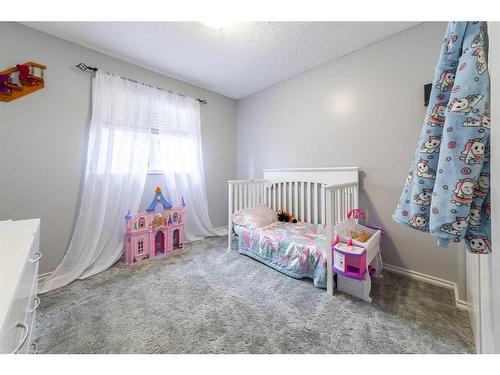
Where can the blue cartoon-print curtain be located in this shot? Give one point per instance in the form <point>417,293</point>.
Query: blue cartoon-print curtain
<point>447,189</point>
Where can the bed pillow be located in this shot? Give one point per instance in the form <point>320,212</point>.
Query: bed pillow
<point>255,217</point>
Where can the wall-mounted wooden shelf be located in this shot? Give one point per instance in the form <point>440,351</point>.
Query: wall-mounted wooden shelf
<point>34,82</point>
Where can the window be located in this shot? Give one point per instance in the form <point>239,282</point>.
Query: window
<point>142,222</point>
<point>119,150</point>
<point>171,134</point>
<point>140,246</point>
<point>169,152</point>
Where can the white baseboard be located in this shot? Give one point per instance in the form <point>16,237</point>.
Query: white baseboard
<point>44,276</point>
<point>460,304</point>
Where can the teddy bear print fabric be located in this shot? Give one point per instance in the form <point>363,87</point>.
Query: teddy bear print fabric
<point>447,188</point>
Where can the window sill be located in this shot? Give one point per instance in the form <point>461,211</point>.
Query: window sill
<point>155,172</point>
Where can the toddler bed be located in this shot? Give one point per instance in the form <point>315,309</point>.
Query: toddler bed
<point>297,250</point>
<point>318,197</point>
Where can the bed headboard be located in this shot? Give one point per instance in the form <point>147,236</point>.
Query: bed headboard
<point>301,191</point>
<point>329,176</point>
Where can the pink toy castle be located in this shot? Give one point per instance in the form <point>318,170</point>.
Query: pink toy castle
<point>155,232</point>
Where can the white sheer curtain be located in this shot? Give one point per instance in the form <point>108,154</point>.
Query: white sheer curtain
<point>178,154</point>
<point>132,126</point>
<point>117,164</point>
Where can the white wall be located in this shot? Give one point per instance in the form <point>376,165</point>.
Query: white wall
<point>364,109</point>
<point>43,136</point>
<point>483,271</point>
<point>494,282</point>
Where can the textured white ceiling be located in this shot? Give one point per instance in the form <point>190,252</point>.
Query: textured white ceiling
<point>236,61</point>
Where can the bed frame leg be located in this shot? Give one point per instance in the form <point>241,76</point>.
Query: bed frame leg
<point>230,216</point>
<point>330,286</point>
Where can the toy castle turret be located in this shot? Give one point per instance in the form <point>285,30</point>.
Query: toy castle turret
<point>155,232</point>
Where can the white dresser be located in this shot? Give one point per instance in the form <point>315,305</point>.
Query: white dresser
<point>19,258</point>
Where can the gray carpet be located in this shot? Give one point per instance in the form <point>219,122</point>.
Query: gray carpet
<point>207,300</point>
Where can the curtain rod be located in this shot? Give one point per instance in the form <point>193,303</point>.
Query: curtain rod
<point>86,68</point>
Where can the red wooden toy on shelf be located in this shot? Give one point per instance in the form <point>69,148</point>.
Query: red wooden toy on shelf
<point>21,80</point>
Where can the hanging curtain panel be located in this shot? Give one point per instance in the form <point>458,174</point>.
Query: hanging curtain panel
<point>131,122</point>
<point>178,154</point>
<point>117,164</point>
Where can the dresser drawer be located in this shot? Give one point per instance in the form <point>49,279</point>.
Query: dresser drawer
<point>31,316</point>
<point>26,347</point>
<point>32,347</point>
<point>14,333</point>
<point>20,321</point>
<point>16,329</point>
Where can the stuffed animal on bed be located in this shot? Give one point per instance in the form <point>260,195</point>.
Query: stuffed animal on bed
<point>285,217</point>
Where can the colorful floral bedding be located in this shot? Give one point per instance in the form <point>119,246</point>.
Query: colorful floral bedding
<point>296,250</point>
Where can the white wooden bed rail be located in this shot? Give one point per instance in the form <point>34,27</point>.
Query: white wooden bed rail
<point>313,195</point>
<point>243,194</point>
